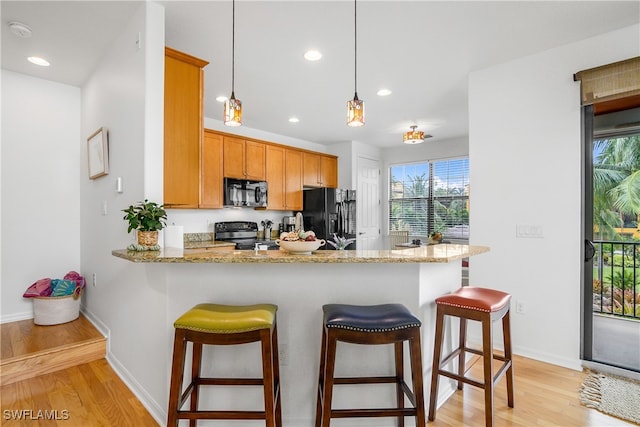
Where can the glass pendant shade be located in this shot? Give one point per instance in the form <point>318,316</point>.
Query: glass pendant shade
<point>413,136</point>
<point>233,111</point>
<point>355,112</point>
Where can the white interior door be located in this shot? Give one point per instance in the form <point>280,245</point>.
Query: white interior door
<point>368,204</point>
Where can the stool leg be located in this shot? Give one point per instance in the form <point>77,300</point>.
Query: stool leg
<point>195,377</point>
<point>177,369</point>
<point>328,379</point>
<point>462,345</point>
<point>437,350</point>
<point>267,377</point>
<point>320,391</point>
<point>415,349</point>
<point>276,375</point>
<point>399,378</point>
<point>506,332</point>
<point>487,351</point>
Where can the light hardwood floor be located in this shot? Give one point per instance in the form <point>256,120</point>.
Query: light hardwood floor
<point>91,394</point>
<point>544,395</point>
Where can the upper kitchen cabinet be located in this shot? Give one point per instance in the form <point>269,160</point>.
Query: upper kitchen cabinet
<point>212,193</point>
<point>244,159</point>
<point>183,128</point>
<point>320,170</point>
<point>284,177</point>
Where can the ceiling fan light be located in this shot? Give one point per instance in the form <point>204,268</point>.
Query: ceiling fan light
<point>355,112</point>
<point>413,136</point>
<point>233,111</point>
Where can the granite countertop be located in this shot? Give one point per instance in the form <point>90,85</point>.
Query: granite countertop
<point>424,254</point>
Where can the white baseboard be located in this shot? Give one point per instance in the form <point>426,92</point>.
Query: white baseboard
<point>15,317</point>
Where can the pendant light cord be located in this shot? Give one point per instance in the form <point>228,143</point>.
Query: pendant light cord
<point>355,46</point>
<point>233,48</point>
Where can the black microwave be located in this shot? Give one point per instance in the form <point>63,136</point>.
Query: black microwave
<point>245,193</point>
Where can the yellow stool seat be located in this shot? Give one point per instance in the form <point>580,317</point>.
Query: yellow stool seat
<point>227,319</point>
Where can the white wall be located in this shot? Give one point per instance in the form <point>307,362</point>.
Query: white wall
<point>123,95</point>
<point>525,148</point>
<point>40,186</point>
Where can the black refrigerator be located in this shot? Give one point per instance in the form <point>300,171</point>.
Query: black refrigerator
<point>327,211</point>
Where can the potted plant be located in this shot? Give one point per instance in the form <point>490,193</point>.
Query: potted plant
<point>147,218</point>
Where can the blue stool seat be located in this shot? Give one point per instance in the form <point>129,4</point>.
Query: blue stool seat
<point>369,318</point>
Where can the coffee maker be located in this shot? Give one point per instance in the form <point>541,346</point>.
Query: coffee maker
<point>289,223</point>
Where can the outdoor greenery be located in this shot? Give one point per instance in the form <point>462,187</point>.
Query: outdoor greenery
<point>616,211</point>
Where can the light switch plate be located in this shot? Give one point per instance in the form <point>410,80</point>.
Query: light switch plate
<point>529,231</point>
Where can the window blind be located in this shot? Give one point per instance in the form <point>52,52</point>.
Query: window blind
<point>427,197</point>
<point>608,82</point>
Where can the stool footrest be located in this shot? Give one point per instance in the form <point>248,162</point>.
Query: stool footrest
<point>231,381</point>
<point>370,413</point>
<point>366,380</point>
<point>221,415</point>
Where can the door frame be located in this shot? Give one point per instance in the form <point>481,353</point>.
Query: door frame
<point>586,274</point>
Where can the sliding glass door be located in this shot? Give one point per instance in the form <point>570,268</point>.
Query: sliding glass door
<point>611,215</point>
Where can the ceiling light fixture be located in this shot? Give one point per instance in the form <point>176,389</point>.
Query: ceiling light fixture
<point>294,119</point>
<point>414,136</point>
<point>233,106</point>
<point>312,55</point>
<point>383,92</point>
<point>221,98</point>
<point>38,61</point>
<point>355,107</point>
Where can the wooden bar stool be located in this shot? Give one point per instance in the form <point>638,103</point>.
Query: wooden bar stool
<point>485,306</point>
<point>377,324</point>
<point>215,324</point>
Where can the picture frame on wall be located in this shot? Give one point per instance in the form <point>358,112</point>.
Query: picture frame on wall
<point>98,153</point>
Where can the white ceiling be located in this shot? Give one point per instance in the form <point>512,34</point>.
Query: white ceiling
<point>423,51</point>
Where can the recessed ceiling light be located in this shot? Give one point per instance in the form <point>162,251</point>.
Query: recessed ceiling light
<point>38,61</point>
<point>294,119</point>
<point>384,92</point>
<point>221,98</point>
<point>312,55</point>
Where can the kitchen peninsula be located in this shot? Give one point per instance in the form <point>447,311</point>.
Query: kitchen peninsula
<point>300,285</point>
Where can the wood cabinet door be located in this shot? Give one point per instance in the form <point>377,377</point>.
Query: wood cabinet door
<point>212,193</point>
<point>311,169</point>
<point>182,129</point>
<point>233,157</point>
<point>329,171</point>
<point>255,154</point>
<point>293,180</point>
<point>275,170</point>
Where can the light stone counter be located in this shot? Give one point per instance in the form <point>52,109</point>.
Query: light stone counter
<point>428,254</point>
<point>299,285</point>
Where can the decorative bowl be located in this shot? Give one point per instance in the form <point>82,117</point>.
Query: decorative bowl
<point>300,247</point>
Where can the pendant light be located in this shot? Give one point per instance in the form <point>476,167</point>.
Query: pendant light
<point>233,106</point>
<point>355,107</point>
<point>414,136</point>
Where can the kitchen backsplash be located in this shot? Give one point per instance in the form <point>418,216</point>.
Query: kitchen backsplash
<point>202,221</point>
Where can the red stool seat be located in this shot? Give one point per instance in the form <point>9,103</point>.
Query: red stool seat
<point>483,305</point>
<point>473,298</point>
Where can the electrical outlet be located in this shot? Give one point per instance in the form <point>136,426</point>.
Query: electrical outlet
<point>520,307</point>
<point>95,280</point>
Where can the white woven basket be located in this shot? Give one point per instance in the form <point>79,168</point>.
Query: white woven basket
<point>56,310</point>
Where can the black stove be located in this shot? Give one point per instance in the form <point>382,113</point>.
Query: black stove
<point>243,233</point>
